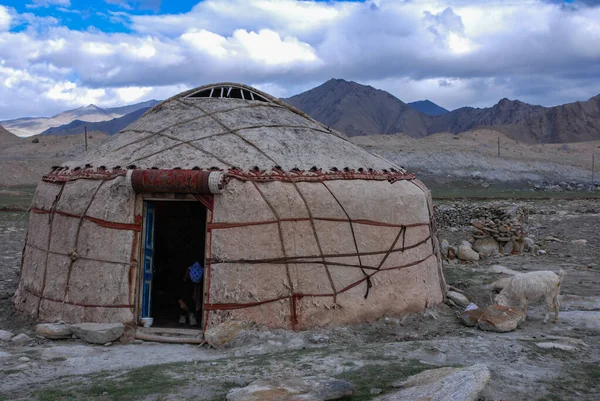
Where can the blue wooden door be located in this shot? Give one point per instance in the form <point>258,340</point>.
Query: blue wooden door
<point>148,260</point>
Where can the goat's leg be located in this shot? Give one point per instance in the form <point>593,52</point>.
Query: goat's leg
<point>524,307</point>
<point>549,306</point>
<point>556,303</point>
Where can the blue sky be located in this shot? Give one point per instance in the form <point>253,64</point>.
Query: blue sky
<point>61,54</point>
<point>100,14</point>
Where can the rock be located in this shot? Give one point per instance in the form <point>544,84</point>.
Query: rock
<point>443,384</point>
<point>21,339</point>
<point>551,238</point>
<point>458,298</point>
<point>551,345</point>
<point>23,359</point>
<point>453,229</point>
<point>486,247</point>
<point>467,254</point>
<point>508,247</point>
<point>224,333</point>
<point>582,319</point>
<point>138,342</point>
<point>501,270</point>
<point>541,252</point>
<point>5,335</point>
<point>466,244</point>
<point>318,338</point>
<point>500,318</point>
<point>471,317</point>
<point>580,303</point>
<point>309,388</point>
<point>98,333</point>
<point>579,242</point>
<point>444,246</point>
<point>375,391</point>
<point>53,331</point>
<point>529,244</point>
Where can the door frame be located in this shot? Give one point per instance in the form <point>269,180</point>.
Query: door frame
<point>141,205</point>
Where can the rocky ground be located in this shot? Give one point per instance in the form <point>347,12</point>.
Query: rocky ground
<point>536,362</point>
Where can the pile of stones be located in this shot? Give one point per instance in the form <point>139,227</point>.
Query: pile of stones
<point>503,231</point>
<point>498,231</point>
<point>457,214</point>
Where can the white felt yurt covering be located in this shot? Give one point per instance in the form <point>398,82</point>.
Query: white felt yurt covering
<point>309,230</point>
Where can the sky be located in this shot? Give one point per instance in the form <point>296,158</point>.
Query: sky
<point>61,54</point>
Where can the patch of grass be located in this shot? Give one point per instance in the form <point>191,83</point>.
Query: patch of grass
<point>55,394</point>
<point>380,376</point>
<point>131,385</point>
<point>16,196</point>
<point>12,371</point>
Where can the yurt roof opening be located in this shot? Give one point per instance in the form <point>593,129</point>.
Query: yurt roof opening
<point>295,226</point>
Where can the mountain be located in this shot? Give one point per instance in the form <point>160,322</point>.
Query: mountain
<point>356,109</point>
<point>428,107</point>
<point>7,138</point>
<point>572,122</point>
<point>29,126</point>
<point>110,127</point>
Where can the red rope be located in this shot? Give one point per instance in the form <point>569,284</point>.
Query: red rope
<point>103,223</point>
<point>76,303</point>
<point>220,226</point>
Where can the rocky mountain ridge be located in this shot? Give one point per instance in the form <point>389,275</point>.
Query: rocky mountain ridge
<point>356,109</point>
<point>109,127</point>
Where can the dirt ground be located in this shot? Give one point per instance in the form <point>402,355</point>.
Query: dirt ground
<point>371,356</point>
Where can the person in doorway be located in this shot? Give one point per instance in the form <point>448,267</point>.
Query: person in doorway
<point>189,295</point>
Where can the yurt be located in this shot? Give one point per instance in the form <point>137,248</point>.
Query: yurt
<point>295,227</point>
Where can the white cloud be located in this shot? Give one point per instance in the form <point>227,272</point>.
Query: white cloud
<point>5,19</point>
<point>132,94</point>
<point>48,3</point>
<point>265,46</point>
<point>451,51</point>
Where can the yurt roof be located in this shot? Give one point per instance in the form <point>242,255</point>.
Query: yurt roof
<point>228,126</point>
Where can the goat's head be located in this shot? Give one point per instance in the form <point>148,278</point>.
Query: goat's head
<point>502,299</point>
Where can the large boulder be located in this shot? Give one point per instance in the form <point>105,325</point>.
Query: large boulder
<point>443,384</point>
<point>21,339</point>
<point>589,320</point>
<point>310,388</point>
<point>500,318</point>
<point>53,331</point>
<point>486,247</point>
<point>6,335</point>
<point>458,298</point>
<point>467,254</point>
<point>224,333</point>
<point>98,333</point>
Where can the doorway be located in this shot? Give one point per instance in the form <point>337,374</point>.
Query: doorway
<point>175,239</point>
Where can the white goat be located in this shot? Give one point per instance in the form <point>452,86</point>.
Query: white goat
<point>532,286</point>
